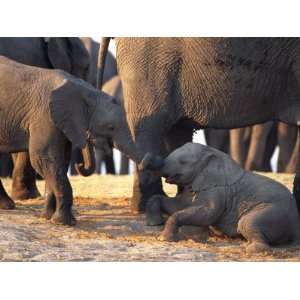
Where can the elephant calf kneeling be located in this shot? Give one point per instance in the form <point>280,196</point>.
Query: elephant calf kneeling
<point>220,194</point>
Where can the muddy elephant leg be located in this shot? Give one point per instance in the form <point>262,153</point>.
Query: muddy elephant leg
<point>194,215</point>
<point>267,225</point>
<point>159,204</point>
<point>5,201</point>
<point>24,183</point>
<point>238,146</point>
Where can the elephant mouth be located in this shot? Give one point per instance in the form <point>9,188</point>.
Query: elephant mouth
<point>173,179</point>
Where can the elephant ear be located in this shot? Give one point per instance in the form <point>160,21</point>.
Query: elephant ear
<point>69,113</point>
<point>58,53</point>
<point>216,169</point>
<point>211,173</point>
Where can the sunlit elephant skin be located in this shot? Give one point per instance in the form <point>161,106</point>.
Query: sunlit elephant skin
<point>193,83</point>
<point>38,117</point>
<point>68,54</point>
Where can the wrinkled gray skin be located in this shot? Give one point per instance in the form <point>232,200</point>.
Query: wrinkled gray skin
<point>176,85</point>
<point>68,54</point>
<point>104,153</point>
<point>46,112</point>
<point>219,193</point>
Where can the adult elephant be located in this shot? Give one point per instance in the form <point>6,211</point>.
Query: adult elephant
<point>66,53</point>
<point>176,85</point>
<point>110,71</point>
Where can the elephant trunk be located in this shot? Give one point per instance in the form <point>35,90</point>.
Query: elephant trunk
<point>151,162</point>
<point>87,167</point>
<point>101,61</point>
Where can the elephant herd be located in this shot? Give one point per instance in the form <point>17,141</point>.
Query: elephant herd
<point>65,101</point>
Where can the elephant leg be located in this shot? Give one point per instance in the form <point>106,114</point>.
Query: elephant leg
<point>110,164</point>
<point>287,142</point>
<point>238,145</point>
<point>296,184</point>
<point>159,204</point>
<point>292,165</point>
<point>99,156</point>
<point>176,138</point>
<point>124,170</point>
<point>50,205</point>
<point>217,138</point>
<point>258,143</point>
<point>270,148</point>
<point>5,201</point>
<point>24,183</point>
<point>146,184</point>
<point>6,165</point>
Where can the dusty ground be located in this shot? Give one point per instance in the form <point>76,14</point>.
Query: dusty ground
<point>106,231</point>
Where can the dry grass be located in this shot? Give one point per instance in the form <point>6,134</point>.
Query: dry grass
<point>107,231</point>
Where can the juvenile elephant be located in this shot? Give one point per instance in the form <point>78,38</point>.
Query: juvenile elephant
<point>177,85</point>
<point>219,193</point>
<point>65,53</point>
<point>46,112</point>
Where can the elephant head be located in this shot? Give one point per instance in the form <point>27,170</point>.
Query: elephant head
<point>68,54</point>
<point>193,164</point>
<point>76,108</point>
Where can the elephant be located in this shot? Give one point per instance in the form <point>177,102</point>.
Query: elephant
<point>38,117</point>
<point>221,194</point>
<point>174,85</point>
<point>68,54</point>
<point>113,87</point>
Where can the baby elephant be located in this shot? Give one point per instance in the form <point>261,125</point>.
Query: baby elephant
<point>45,112</point>
<point>220,194</point>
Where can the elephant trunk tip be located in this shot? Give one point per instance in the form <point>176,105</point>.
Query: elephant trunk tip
<point>151,162</point>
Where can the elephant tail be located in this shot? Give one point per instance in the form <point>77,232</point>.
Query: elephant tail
<point>101,60</point>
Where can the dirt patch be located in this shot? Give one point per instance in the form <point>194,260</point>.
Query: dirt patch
<point>107,231</point>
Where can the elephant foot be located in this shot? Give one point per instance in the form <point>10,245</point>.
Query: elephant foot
<point>167,236</point>
<point>257,247</point>
<point>63,218</point>
<point>47,213</point>
<point>6,203</point>
<point>154,220</point>
<point>153,212</point>
<point>25,193</point>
